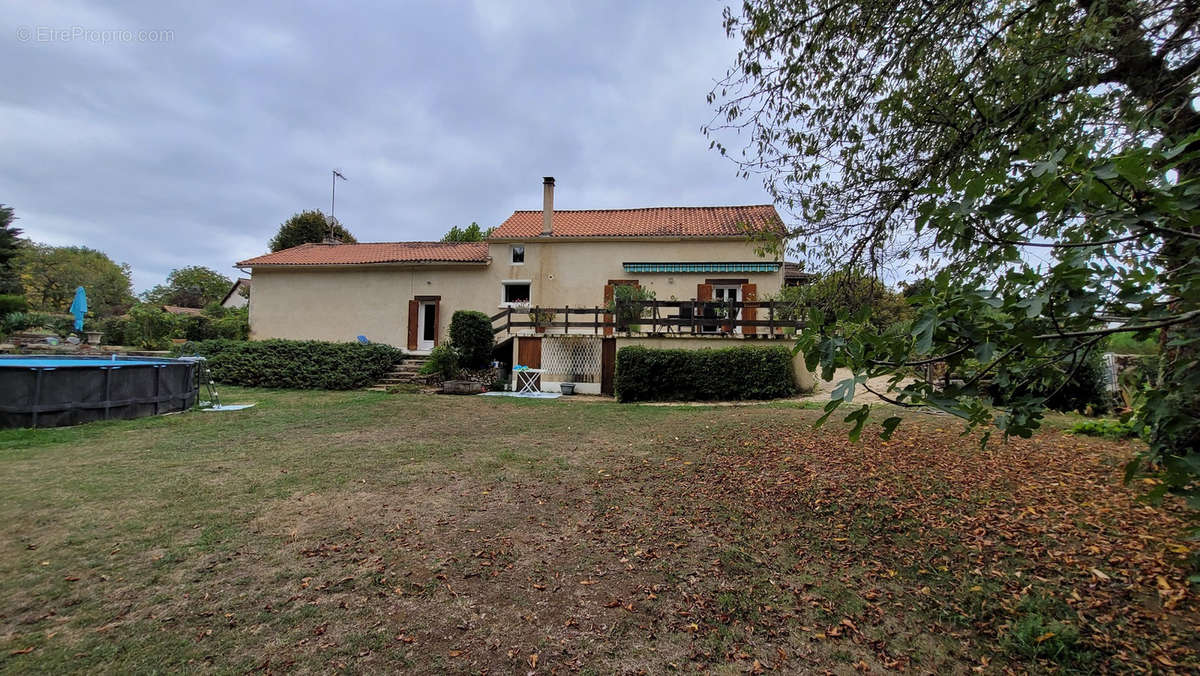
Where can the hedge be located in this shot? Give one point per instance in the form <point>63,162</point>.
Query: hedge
<point>646,374</point>
<point>295,364</point>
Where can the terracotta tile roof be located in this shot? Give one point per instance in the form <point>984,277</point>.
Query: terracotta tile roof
<point>180,310</point>
<point>651,222</point>
<point>377,252</point>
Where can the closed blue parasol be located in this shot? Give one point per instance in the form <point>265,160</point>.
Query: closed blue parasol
<point>79,307</point>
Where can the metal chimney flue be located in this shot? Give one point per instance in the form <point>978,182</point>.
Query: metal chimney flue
<point>547,206</point>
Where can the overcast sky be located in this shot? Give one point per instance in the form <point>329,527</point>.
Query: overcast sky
<point>191,145</point>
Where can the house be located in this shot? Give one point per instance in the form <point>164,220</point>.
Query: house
<point>180,310</point>
<point>238,295</point>
<point>404,293</point>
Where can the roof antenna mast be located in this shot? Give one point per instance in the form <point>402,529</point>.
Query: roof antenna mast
<point>332,202</point>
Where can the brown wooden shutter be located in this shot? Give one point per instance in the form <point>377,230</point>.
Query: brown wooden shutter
<point>704,292</point>
<point>608,298</point>
<point>414,313</point>
<point>749,312</point>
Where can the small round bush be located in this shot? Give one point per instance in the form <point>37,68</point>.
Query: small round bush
<point>471,334</point>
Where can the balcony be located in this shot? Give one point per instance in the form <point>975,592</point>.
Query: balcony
<point>766,319</point>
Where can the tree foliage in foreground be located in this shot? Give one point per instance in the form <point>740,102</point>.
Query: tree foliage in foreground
<point>1037,160</point>
<point>194,286</point>
<point>307,227</point>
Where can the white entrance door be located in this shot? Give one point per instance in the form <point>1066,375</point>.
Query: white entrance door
<point>426,325</point>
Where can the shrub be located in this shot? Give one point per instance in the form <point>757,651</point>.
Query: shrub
<point>11,302</point>
<point>1086,387</point>
<point>471,334</point>
<point>234,325</point>
<point>13,322</point>
<point>443,361</point>
<point>1108,429</point>
<point>20,321</point>
<point>151,327</point>
<point>1064,390</point>
<point>296,364</point>
<point>1124,343</point>
<point>196,327</point>
<point>646,374</point>
<point>116,331</point>
<point>61,326</point>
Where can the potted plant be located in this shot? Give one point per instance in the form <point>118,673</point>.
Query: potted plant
<point>541,317</point>
<point>625,308</point>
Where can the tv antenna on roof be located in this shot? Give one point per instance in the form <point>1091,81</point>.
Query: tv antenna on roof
<point>332,202</point>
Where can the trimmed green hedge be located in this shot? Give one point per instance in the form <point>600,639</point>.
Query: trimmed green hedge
<point>647,374</point>
<point>471,334</point>
<point>295,364</point>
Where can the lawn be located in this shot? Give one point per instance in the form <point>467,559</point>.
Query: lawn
<point>370,532</point>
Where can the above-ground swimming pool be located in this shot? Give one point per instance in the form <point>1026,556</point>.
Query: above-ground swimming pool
<point>53,391</point>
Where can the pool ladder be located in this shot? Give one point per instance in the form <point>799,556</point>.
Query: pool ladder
<point>206,381</point>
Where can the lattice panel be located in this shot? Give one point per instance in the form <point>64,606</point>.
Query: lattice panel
<point>571,359</point>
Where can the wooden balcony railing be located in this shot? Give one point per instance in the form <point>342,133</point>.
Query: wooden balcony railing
<point>770,318</point>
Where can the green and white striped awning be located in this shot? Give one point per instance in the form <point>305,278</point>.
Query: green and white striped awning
<point>750,266</point>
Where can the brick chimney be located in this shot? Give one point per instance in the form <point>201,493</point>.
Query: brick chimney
<point>547,206</point>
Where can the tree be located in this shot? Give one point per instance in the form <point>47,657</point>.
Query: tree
<point>1039,160</point>
<point>50,274</point>
<point>10,243</point>
<point>194,286</point>
<point>855,293</point>
<point>307,227</point>
<point>471,233</point>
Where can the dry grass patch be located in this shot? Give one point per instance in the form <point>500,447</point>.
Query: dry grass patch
<point>364,532</point>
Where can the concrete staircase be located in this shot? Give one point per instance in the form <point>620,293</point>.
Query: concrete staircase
<point>407,371</point>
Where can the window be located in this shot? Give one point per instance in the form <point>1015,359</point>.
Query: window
<point>515,292</point>
<point>518,254</point>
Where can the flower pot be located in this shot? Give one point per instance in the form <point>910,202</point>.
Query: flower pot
<point>93,337</point>
<point>567,388</point>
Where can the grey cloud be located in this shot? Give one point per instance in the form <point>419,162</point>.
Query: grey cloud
<point>192,151</point>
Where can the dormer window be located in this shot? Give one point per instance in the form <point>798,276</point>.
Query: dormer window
<point>518,254</point>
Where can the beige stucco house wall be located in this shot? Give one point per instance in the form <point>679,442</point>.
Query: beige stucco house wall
<point>341,303</point>
<point>570,272</point>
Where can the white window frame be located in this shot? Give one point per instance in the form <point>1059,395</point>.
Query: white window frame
<point>512,250</point>
<point>513,282</point>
